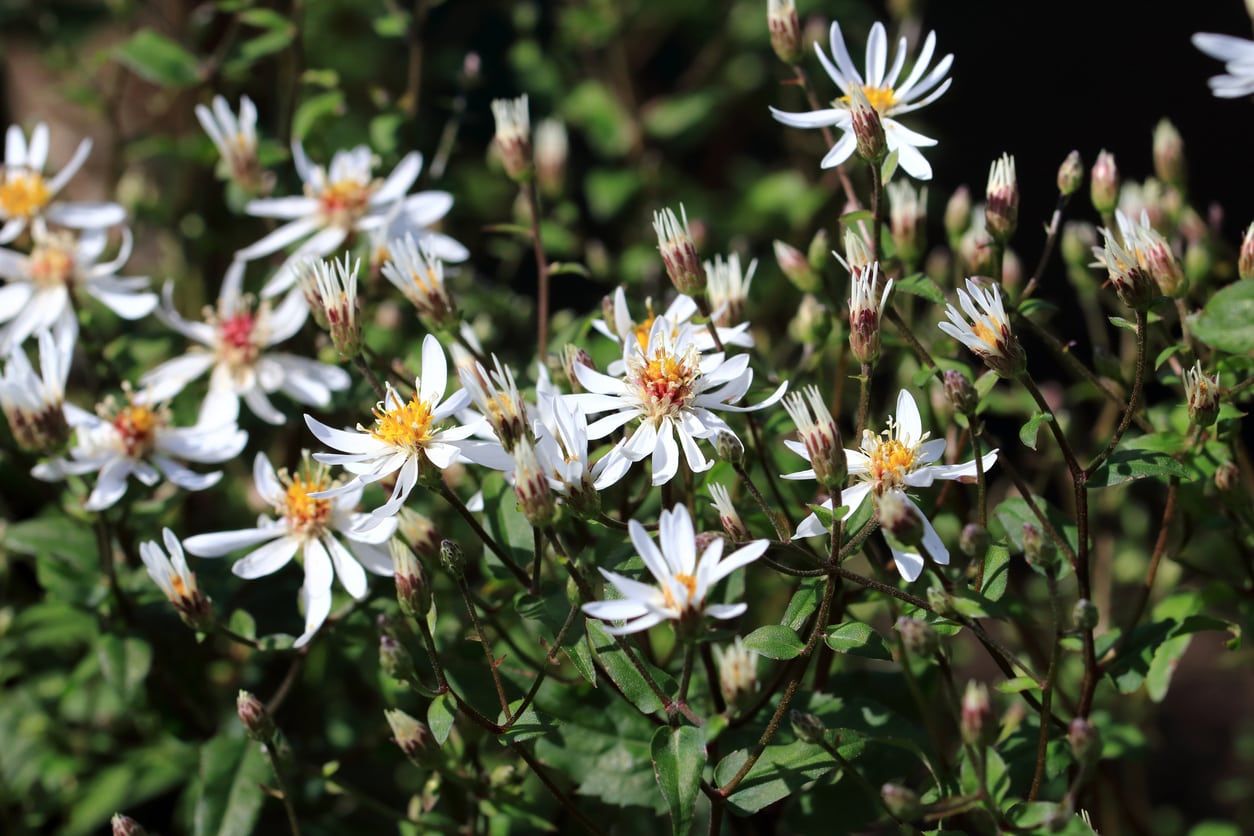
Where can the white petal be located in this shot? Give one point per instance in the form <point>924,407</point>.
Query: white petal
<point>266,560</point>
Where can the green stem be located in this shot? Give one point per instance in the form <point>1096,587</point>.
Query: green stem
<point>288,807</point>
<point>1134,402</point>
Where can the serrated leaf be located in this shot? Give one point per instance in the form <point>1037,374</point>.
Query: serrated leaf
<point>156,58</point>
<point>1227,321</point>
<point>1029,431</point>
<point>856,639</point>
<point>678,758</point>
<point>1125,465</point>
<point>920,285</point>
<point>440,716</point>
<point>775,641</point>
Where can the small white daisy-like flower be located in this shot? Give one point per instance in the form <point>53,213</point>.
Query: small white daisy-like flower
<point>233,341</point>
<point>35,403</point>
<point>865,312</point>
<point>1131,258</point>
<point>333,286</point>
<point>728,288</point>
<point>988,333</point>
<point>819,439</point>
<point>1237,82</point>
<point>44,284</point>
<point>138,440</point>
<point>235,137</point>
<point>737,670</point>
<point>170,573</point>
<point>495,394</point>
<point>562,445</point>
<point>417,273</point>
<point>26,194</point>
<point>339,200</point>
<point>889,97</point>
<point>674,390</point>
<point>899,458</point>
<point>513,135</point>
<point>683,579</point>
<point>622,329</point>
<point>333,539</point>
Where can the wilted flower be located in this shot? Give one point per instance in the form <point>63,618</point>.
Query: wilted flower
<point>1128,264</point>
<point>1001,212</point>
<point>885,95</point>
<point>1238,57</point>
<point>683,579</point>
<point>737,670</point>
<point>513,136</point>
<point>728,288</point>
<point>170,573</point>
<point>988,333</point>
<point>34,403</point>
<point>785,28</point>
<point>728,516</point>
<point>865,312</point>
<point>907,219</point>
<point>417,273</point>
<point>819,436</point>
<point>679,251</point>
<point>236,140</point>
<point>1104,183</point>
<point>1201,392</point>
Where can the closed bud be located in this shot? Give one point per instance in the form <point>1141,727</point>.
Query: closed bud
<point>1104,183</point>
<point>451,558</point>
<point>961,392</point>
<point>796,267</point>
<point>413,589</point>
<point>1039,551</point>
<point>868,128</point>
<point>781,19</point>
<point>1084,614</point>
<point>1201,391</point>
<point>394,659</point>
<point>897,516</point>
<point>729,447</point>
<point>974,540</point>
<point>1197,261</point>
<point>917,636</point>
<point>806,726</point>
<point>126,826</point>
<point>679,252</point>
<point>413,736</point>
<point>572,356</point>
<point>728,516</point>
<point>1085,740</point>
<point>813,324</point>
<point>513,136</point>
<point>531,486</point>
<point>1227,476</point>
<point>976,711</point>
<point>1070,174</point>
<point>817,252</point>
<point>819,435</point>
<point>1001,213</point>
<point>419,532</point>
<point>254,716</point>
<point>1169,162</point>
<point>941,602</point>
<point>901,801</point>
<point>958,212</point>
<point>1245,261</point>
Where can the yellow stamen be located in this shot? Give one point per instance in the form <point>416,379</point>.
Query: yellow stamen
<point>344,201</point>
<point>688,582</point>
<point>22,195</point>
<point>407,424</point>
<point>881,98</point>
<point>137,426</point>
<point>890,462</point>
<point>51,263</point>
<point>304,512</point>
<point>643,327</point>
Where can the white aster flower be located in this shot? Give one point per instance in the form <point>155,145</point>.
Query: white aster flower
<point>176,581</point>
<point>495,394</point>
<point>407,435</point>
<point>339,200</point>
<point>25,194</point>
<point>138,440</point>
<point>1238,57</point>
<point>562,446</point>
<point>737,670</point>
<point>988,333</point>
<point>35,403</point>
<point>43,285</point>
<point>332,538</point>
<point>417,273</point>
<point>673,389</point>
<point>728,287</point>
<point>881,88</point>
<point>618,325</point>
<point>899,458</point>
<point>235,137</point>
<point>683,580</point>
<point>233,341</point>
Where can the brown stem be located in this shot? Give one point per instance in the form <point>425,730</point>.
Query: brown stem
<point>803,82</point>
<point>483,640</point>
<point>483,535</point>
<point>1051,236</point>
<point>288,807</point>
<point>542,272</point>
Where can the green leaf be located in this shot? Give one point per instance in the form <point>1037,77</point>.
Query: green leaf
<point>125,664</point>
<point>673,116</point>
<point>775,641</point>
<point>55,536</point>
<point>1029,431</point>
<point>857,216</point>
<point>1019,683</point>
<point>529,725</point>
<point>781,771</point>
<point>624,674</point>
<point>440,716</point>
<point>158,59</point>
<point>1166,354</point>
<point>314,109</point>
<point>678,759</point>
<point>1227,321</point>
<point>506,522</point>
<point>996,571</point>
<point>803,603</point>
<point>1011,514</point>
<point>228,786</point>
<point>920,285</point>
<point>1125,465</point>
<point>888,168</point>
<point>609,189</point>
<point>856,639</point>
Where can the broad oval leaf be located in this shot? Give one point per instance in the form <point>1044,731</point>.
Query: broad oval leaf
<point>678,759</point>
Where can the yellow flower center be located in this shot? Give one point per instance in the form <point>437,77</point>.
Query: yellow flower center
<point>406,425</point>
<point>344,201</point>
<point>51,264</point>
<point>137,425</point>
<point>985,331</point>
<point>881,98</point>
<point>23,194</point>
<point>689,583</point>
<point>890,462</point>
<point>643,327</point>
<point>665,381</point>
<point>180,588</point>
<point>304,513</point>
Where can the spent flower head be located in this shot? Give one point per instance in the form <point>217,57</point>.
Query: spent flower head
<point>820,441</point>
<point>334,286</point>
<point>679,251</point>
<point>1201,393</point>
<point>235,137</point>
<point>168,570</point>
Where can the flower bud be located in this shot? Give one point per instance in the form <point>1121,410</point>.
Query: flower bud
<point>941,602</point>
<point>812,325</point>
<point>820,436</point>
<point>868,129</point>
<point>413,589</point>
<point>551,151</point>
<point>737,672</point>
<point>1084,614</point>
<point>974,540</point>
<point>1245,261</point>
<point>254,716</point>
<point>1001,213</point>
<point>901,801</point>
<point>958,212</point>
<point>794,265</point>
<point>334,288</point>
<point>1070,174</point>
<point>1227,476</point>
<point>413,736</point>
<point>1078,240</point>
<point>818,250</point>
<point>897,516</point>
<point>857,250</point>
<point>1085,740</point>
<point>1133,284</point>
<point>531,486</point>
<point>961,392</point>
<point>1104,183</point>
<point>1197,261</point>
<point>1039,551</point>
<point>729,447</point>
<point>781,19</point>
<point>126,826</point>
<point>907,220</point>
<point>866,308</point>
<point>573,355</point>
<point>975,713</point>
<point>451,559</point>
<point>806,726</point>
<point>419,532</point>
<point>513,136</point>
<point>728,516</point>
<point>1201,391</point>
<point>1169,163</point>
<point>679,252</point>
<point>393,658</point>
<point>917,636</point>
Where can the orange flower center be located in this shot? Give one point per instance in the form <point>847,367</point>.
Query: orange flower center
<point>689,583</point>
<point>23,194</point>
<point>51,265</point>
<point>407,425</point>
<point>344,201</point>
<point>306,514</point>
<point>137,425</point>
<point>891,461</point>
<point>665,381</point>
<point>881,98</point>
<point>643,327</point>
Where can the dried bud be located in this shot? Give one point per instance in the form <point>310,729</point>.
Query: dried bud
<point>1084,614</point>
<point>1039,551</point>
<point>513,136</point>
<point>1070,174</point>
<point>728,516</point>
<point>975,713</point>
<point>901,801</point>
<point>1001,214</point>
<point>333,285</point>
<point>254,716</point>
<point>413,589</point>
<point>958,212</point>
<point>394,660</point>
<point>868,128</point>
<point>820,437</point>
<point>961,392</point>
<point>781,19</point>
<point>866,307</point>
<point>419,532</point>
<point>1227,476</point>
<point>794,265</point>
<point>806,726</point>
<point>897,516</point>
<point>1104,183</point>
<point>1169,163</point>
<point>679,252</point>
<point>552,148</point>
<point>737,671</point>
<point>413,736</point>
<point>573,355</point>
<point>729,447</point>
<point>812,325</point>
<point>907,220</point>
<point>1085,740</point>
<point>974,540</point>
<point>941,602</point>
<point>1201,391</point>
<point>451,558</point>
<point>126,826</point>
<point>1245,261</point>
<point>918,636</point>
<point>531,486</point>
